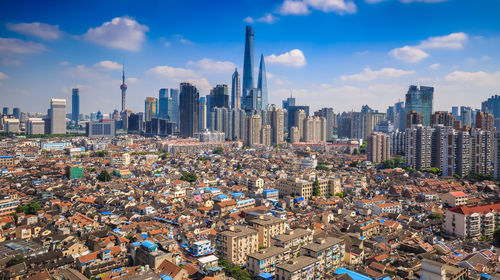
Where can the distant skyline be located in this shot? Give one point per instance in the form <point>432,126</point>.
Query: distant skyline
<point>329,53</point>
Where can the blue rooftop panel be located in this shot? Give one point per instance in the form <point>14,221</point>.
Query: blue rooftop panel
<point>148,244</point>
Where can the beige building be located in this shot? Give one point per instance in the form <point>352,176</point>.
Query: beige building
<point>432,270</point>
<point>378,148</point>
<point>474,221</point>
<point>300,116</point>
<point>454,199</point>
<point>254,126</point>
<point>265,135</point>
<point>277,126</point>
<point>265,260</point>
<point>301,268</point>
<point>293,240</point>
<point>35,126</point>
<point>268,226</point>
<point>314,130</point>
<point>330,251</point>
<point>235,243</point>
<point>297,186</point>
<point>294,134</point>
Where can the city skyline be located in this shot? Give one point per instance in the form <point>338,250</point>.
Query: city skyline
<point>343,71</point>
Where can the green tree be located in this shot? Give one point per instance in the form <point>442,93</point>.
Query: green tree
<point>165,155</point>
<point>15,260</point>
<point>399,162</point>
<point>104,176</point>
<point>316,190</point>
<point>496,235</point>
<point>238,167</point>
<point>30,208</point>
<point>436,216</point>
<point>322,167</point>
<point>218,151</point>
<point>388,164</point>
<point>189,177</point>
<point>341,195</point>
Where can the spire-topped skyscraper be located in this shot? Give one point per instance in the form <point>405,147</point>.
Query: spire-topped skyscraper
<point>123,87</point>
<point>248,60</point>
<point>262,82</point>
<point>236,90</point>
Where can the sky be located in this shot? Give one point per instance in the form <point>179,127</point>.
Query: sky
<point>326,53</point>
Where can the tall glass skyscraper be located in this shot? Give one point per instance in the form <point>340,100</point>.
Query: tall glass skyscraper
<point>165,104</point>
<point>189,106</point>
<point>235,91</point>
<point>174,94</point>
<point>262,83</point>
<point>421,101</point>
<point>150,108</point>
<point>248,60</point>
<point>75,105</point>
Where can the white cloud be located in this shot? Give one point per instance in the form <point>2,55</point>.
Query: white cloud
<point>294,58</point>
<point>212,65</point>
<point>290,7</point>
<point>451,41</point>
<point>434,66</point>
<point>3,76</point>
<point>108,65</point>
<point>369,75</point>
<point>132,80</point>
<point>267,18</point>
<point>183,40</point>
<point>480,78</point>
<point>167,44</point>
<point>409,54</point>
<point>11,62</point>
<point>18,46</point>
<point>406,1</point>
<point>416,53</point>
<point>303,7</point>
<point>64,63</point>
<point>333,6</point>
<point>422,1</point>
<point>81,72</point>
<point>121,33</point>
<point>41,30</point>
<point>173,72</point>
<point>249,20</point>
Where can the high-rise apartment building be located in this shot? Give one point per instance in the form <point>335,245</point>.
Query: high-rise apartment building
<point>463,153</point>
<point>418,147</point>
<point>235,90</point>
<point>265,135</point>
<point>291,115</point>
<point>75,105</point>
<point>57,116</point>
<point>35,126</point>
<point>483,150</point>
<point>485,121</point>
<point>443,118</point>
<point>248,82</point>
<point>219,97</point>
<point>398,142</point>
<point>329,116</point>
<point>496,173</point>
<point>189,106</point>
<point>378,148</point>
<point>300,116</point>
<point>102,128</point>
<point>236,242</point>
<point>277,126</point>
<point>414,118</point>
<point>492,106</point>
<point>150,108</point>
<point>262,83</point>
<point>254,126</point>
<point>420,100</point>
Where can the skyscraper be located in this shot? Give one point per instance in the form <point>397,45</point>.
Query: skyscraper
<point>165,105</point>
<point>219,97</point>
<point>174,94</point>
<point>16,112</point>
<point>254,126</point>
<point>262,83</point>
<point>75,105</point>
<point>150,108</point>
<point>248,60</point>
<point>189,106</point>
<point>235,90</point>
<point>5,110</point>
<point>420,100</point>
<point>123,87</point>
<point>328,114</point>
<point>253,100</point>
<point>203,113</point>
<point>399,116</point>
<point>57,116</point>
<point>418,146</point>
<point>466,116</point>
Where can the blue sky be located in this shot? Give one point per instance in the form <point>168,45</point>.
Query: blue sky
<point>335,53</point>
